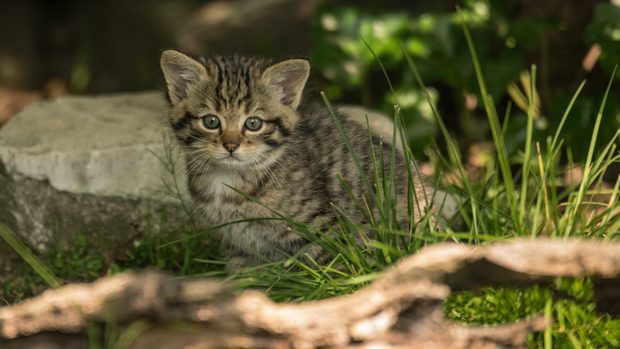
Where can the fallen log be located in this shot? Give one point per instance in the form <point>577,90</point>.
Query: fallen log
<point>402,309</point>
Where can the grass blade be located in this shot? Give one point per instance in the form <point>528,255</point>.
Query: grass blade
<point>495,130</point>
<point>29,257</point>
<point>587,166</point>
<point>528,150</point>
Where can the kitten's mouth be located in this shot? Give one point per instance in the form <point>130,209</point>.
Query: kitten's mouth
<point>230,159</point>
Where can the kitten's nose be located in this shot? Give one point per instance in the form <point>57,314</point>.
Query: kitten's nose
<point>231,146</point>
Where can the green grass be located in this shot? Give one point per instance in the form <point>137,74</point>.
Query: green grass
<point>496,206</point>
<point>576,322</point>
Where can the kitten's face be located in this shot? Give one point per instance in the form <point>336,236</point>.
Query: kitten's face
<point>233,113</point>
<point>234,135</point>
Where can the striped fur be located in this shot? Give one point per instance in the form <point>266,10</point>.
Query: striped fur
<point>289,164</point>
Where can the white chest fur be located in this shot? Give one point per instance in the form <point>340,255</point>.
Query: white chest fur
<point>219,208</point>
<point>218,183</point>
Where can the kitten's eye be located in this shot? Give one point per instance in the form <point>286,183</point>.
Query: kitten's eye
<point>211,122</point>
<point>253,124</point>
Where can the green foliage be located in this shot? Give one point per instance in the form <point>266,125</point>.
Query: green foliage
<point>577,323</point>
<point>495,306</point>
<point>433,39</point>
<point>421,124</point>
<point>20,283</point>
<point>41,269</point>
<point>150,252</point>
<point>436,42</point>
<point>76,264</point>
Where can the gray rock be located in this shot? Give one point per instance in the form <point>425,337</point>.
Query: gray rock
<point>86,166</point>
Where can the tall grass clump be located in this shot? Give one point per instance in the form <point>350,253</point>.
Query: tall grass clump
<point>497,206</point>
<point>540,207</point>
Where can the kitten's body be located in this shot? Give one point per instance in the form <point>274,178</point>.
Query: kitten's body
<point>289,164</point>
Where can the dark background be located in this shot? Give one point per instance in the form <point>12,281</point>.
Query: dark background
<point>52,48</point>
<point>118,42</point>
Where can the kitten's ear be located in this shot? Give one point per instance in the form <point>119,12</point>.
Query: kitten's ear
<point>287,80</point>
<point>180,72</point>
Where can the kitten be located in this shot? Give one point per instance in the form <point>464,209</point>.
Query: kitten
<point>241,123</point>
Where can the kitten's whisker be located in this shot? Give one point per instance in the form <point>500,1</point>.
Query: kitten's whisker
<point>193,151</point>
<point>188,155</point>
<point>252,166</point>
<point>183,154</point>
<point>201,160</point>
<point>268,168</point>
<point>196,162</point>
<point>207,164</point>
<point>269,172</point>
<point>255,163</point>
<point>191,135</point>
<point>261,167</point>
<point>191,164</point>
<point>281,167</point>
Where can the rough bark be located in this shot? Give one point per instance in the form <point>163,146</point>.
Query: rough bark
<point>402,309</point>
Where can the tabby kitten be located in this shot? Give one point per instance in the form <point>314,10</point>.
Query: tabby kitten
<point>242,124</point>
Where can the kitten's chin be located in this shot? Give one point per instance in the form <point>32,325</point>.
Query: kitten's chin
<point>232,162</point>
